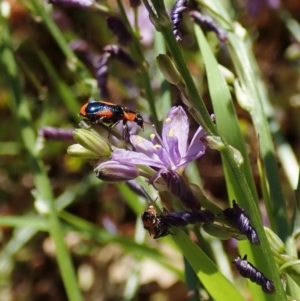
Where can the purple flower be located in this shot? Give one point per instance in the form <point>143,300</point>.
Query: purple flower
<point>171,151</point>
<point>52,133</point>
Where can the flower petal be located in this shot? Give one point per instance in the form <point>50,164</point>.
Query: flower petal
<point>154,151</point>
<point>175,133</point>
<point>125,157</point>
<point>196,148</point>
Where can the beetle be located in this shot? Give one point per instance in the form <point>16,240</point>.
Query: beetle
<point>107,112</point>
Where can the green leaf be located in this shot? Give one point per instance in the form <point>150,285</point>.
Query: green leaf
<point>214,281</point>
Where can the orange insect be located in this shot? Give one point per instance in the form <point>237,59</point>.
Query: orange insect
<point>107,112</point>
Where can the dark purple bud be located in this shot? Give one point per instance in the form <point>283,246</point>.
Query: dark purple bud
<point>247,270</point>
<point>101,69</point>
<point>112,171</point>
<point>52,133</point>
<point>117,27</point>
<point>135,3</point>
<point>73,3</point>
<point>183,218</point>
<point>117,53</point>
<point>179,188</point>
<point>207,23</point>
<point>238,217</point>
<point>176,16</point>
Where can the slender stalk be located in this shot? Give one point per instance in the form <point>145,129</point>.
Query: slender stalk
<point>138,55</point>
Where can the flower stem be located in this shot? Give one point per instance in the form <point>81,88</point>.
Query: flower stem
<point>138,55</point>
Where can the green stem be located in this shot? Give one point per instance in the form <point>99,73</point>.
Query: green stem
<point>138,55</point>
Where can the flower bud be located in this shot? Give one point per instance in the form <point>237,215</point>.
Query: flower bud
<point>240,31</point>
<point>217,231</point>
<point>161,21</point>
<point>52,133</point>
<point>168,69</point>
<point>215,142</point>
<point>275,242</point>
<point>77,150</point>
<point>113,171</point>
<point>227,74</point>
<point>238,158</point>
<point>92,142</point>
<point>242,97</point>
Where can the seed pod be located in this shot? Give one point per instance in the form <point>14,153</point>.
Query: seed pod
<point>247,270</point>
<point>178,9</point>
<point>239,218</point>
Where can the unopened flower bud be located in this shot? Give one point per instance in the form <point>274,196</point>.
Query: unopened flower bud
<point>92,142</point>
<point>112,171</point>
<point>227,74</point>
<point>240,31</point>
<point>52,133</point>
<point>77,150</point>
<point>275,242</point>
<point>242,97</point>
<point>161,21</point>
<point>168,69</point>
<point>215,142</point>
<point>237,155</point>
<point>217,231</point>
